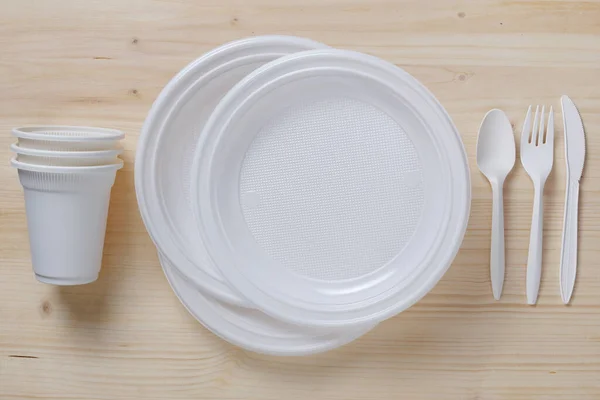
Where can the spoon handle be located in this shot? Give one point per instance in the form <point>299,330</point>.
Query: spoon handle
<point>497,249</point>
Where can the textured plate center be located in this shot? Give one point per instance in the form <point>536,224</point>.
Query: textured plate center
<point>332,189</point>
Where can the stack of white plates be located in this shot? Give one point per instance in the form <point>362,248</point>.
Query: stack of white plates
<point>298,195</point>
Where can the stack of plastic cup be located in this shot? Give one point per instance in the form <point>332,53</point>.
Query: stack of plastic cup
<point>67,173</point>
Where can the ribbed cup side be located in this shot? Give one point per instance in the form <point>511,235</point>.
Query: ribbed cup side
<point>89,145</point>
<point>52,181</point>
<point>67,161</point>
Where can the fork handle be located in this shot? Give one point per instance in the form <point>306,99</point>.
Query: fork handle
<point>534,259</point>
<point>568,256</point>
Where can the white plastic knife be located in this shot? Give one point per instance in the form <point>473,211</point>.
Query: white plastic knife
<point>575,157</point>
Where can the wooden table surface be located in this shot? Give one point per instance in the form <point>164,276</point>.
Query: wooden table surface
<point>103,62</point>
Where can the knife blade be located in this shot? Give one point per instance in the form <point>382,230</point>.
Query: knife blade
<point>575,159</point>
<point>574,138</point>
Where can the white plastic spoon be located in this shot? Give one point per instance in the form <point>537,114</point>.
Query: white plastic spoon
<point>495,159</point>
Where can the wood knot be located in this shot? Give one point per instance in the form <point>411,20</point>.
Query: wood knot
<point>46,308</point>
<point>463,76</point>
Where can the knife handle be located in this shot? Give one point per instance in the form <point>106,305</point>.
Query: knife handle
<point>568,256</point>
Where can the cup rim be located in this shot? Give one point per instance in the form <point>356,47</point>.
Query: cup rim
<point>95,134</point>
<point>16,148</point>
<point>65,169</point>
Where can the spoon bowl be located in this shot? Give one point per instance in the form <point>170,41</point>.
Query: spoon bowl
<point>496,152</point>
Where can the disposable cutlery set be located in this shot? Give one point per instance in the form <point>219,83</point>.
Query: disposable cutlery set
<point>496,158</point>
<point>297,195</point>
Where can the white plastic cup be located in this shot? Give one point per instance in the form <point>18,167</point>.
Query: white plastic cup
<point>83,155</point>
<point>67,210</point>
<point>65,138</point>
<point>65,158</point>
<point>68,146</point>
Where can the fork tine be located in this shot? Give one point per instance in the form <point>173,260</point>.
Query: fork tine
<point>550,130</point>
<point>540,134</point>
<point>526,133</point>
<point>536,121</point>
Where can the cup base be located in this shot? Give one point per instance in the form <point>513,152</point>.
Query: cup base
<point>66,281</point>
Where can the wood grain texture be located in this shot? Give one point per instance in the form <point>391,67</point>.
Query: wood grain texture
<point>126,336</point>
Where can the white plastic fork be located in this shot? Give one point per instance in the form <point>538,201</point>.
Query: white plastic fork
<point>537,156</point>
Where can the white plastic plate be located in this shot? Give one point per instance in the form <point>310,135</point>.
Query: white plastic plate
<point>251,329</point>
<point>167,144</point>
<point>332,190</point>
